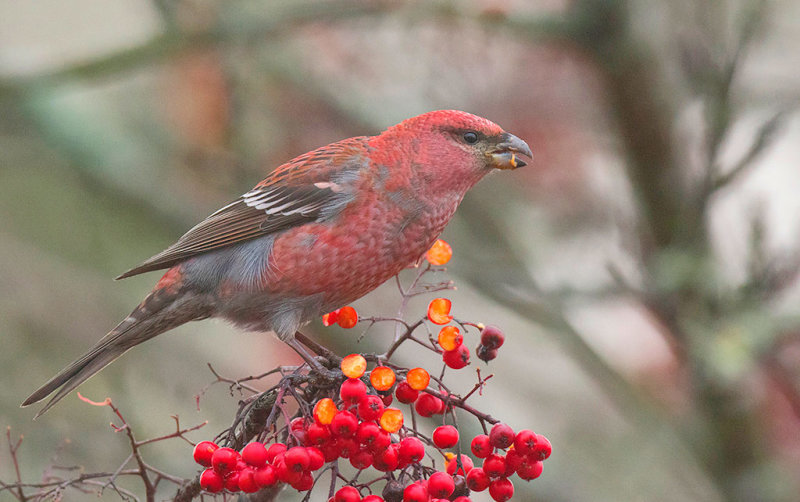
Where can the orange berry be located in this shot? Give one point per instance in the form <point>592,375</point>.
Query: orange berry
<point>382,378</point>
<point>348,317</point>
<point>440,253</point>
<point>330,318</point>
<point>439,311</point>
<point>418,378</point>
<point>450,338</point>
<point>354,366</point>
<point>324,411</point>
<point>391,420</point>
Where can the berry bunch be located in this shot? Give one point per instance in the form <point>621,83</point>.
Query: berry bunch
<point>354,423</point>
<point>525,452</point>
<point>359,427</point>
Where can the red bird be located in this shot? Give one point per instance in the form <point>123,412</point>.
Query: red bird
<point>321,231</point>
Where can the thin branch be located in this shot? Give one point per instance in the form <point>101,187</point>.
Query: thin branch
<point>763,139</point>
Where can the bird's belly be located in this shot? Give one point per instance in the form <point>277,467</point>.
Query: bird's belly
<point>344,262</point>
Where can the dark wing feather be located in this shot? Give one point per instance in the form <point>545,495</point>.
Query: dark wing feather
<point>297,192</point>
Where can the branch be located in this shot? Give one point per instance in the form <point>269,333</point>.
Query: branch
<point>764,138</point>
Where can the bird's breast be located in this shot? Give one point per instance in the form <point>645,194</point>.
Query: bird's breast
<point>369,242</point>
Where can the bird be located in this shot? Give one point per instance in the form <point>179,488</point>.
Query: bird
<point>321,231</point>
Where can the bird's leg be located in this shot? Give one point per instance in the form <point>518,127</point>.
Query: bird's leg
<point>299,342</point>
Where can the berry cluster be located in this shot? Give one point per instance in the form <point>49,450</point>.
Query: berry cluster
<point>359,427</point>
<point>354,423</point>
<point>525,452</point>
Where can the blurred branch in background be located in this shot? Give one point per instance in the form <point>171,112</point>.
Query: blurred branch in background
<point>273,79</point>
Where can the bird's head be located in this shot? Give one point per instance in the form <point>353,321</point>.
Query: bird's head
<point>452,136</point>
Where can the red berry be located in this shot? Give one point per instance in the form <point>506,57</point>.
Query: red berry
<point>412,450</point>
<point>445,436</point>
<point>367,433</point>
<point>265,476</point>
<point>346,446</point>
<point>203,451</point>
<point>501,490</point>
<point>347,318</point>
<point>370,407</point>
<point>428,405</point>
<point>477,480</point>
<point>530,470</point>
<point>462,498</point>
<point>501,436</point>
<point>405,394</point>
<point>485,354</point>
<point>274,450</point>
<point>380,442</point>
<point>525,442</point>
<point>318,434</point>
<point>347,494</point>
<point>372,498</point>
<point>457,358</point>
<point>224,460</point>
<point>453,468</point>
<point>255,454</point>
<point>299,424</point>
<point>296,459</point>
<point>281,471</point>
<point>492,337</point>
<point>415,492</point>
<point>543,447</point>
<point>303,483</point>
<point>352,390</point>
<point>514,460</point>
<point>494,465</point>
<point>344,424</point>
<point>387,460</point>
<point>480,446</point>
<point>247,481</point>
<point>330,451</point>
<point>440,485</point>
<point>361,459</point>
<point>232,481</point>
<point>315,458</point>
<point>330,318</point>
<point>211,481</point>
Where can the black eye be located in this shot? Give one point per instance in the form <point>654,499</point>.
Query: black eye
<point>471,137</point>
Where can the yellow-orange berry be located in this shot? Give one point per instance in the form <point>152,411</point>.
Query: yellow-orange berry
<point>391,420</point>
<point>324,411</point>
<point>440,253</point>
<point>450,338</point>
<point>418,378</point>
<point>354,366</point>
<point>439,311</point>
<point>382,378</point>
<point>347,318</point>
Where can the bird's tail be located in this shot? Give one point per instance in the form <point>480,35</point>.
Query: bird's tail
<point>160,311</point>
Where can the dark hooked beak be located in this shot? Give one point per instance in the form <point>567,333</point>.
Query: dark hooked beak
<point>505,155</point>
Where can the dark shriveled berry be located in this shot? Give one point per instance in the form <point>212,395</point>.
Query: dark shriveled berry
<point>485,354</point>
<point>393,491</point>
<point>492,337</point>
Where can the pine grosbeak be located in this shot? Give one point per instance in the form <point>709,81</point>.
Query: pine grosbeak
<point>319,232</point>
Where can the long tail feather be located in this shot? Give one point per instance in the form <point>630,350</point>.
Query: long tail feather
<point>158,313</point>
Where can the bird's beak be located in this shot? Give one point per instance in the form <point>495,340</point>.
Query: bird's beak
<point>505,155</point>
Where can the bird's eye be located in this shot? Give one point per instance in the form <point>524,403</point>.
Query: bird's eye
<point>471,137</point>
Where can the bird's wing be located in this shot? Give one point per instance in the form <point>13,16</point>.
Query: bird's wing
<point>311,187</point>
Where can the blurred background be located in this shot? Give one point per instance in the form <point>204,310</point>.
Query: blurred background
<point>644,267</point>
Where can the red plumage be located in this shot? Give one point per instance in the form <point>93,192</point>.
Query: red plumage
<point>319,232</point>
